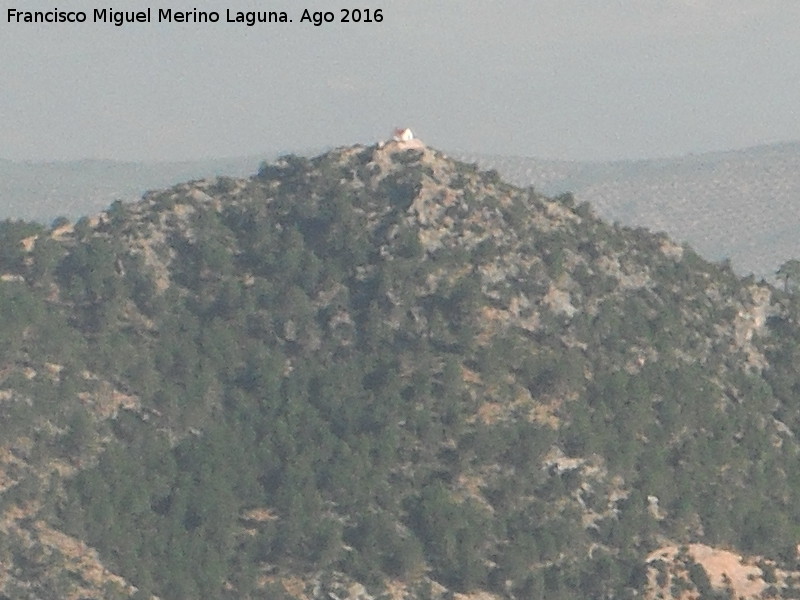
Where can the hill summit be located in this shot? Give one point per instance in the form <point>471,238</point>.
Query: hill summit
<point>382,373</point>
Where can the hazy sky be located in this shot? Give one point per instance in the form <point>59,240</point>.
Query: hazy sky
<point>577,79</point>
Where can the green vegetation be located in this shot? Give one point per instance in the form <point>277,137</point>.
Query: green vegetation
<point>789,273</point>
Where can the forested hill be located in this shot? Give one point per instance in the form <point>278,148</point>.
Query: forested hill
<point>382,373</point>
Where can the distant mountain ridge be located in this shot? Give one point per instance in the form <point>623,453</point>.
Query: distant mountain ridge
<point>42,191</point>
<point>740,204</point>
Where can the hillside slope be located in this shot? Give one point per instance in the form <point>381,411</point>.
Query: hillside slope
<point>740,205</point>
<point>383,373</point>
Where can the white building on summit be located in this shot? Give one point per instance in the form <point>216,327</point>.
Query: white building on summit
<point>403,134</point>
